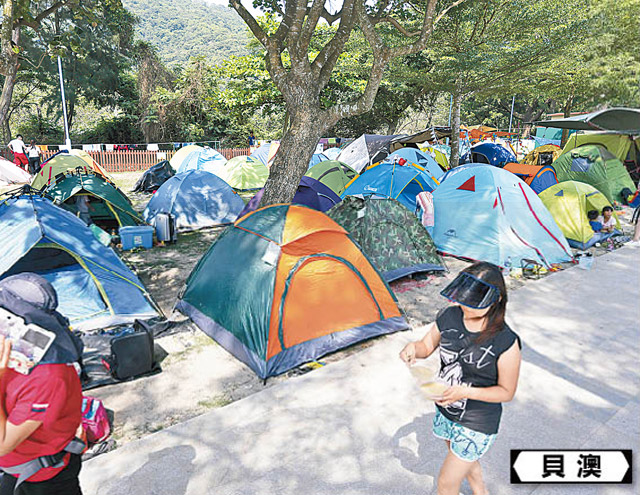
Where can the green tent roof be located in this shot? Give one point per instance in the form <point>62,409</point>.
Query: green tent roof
<point>623,120</point>
<point>333,174</point>
<point>594,165</point>
<point>116,203</point>
<point>243,173</point>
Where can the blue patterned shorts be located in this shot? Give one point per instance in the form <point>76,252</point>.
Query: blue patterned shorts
<point>468,445</point>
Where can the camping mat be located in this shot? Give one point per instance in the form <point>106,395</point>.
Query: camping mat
<point>97,348</point>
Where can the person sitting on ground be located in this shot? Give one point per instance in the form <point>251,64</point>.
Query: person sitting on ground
<point>40,412</point>
<point>607,220</point>
<point>592,215</point>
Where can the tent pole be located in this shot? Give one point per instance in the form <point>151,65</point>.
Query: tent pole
<point>64,106</point>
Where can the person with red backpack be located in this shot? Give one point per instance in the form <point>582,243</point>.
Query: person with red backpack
<point>40,410</point>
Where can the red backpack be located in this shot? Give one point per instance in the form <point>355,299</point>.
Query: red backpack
<point>95,420</point>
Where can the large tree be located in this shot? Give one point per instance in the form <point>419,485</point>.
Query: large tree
<point>18,15</point>
<point>391,29</point>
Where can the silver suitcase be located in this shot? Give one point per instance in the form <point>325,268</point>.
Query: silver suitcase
<point>165,228</point>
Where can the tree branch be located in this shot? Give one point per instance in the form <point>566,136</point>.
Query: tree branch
<point>325,60</point>
<point>42,15</point>
<point>399,27</point>
<point>445,11</point>
<point>315,12</point>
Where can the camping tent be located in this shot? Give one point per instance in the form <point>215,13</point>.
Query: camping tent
<point>438,155</point>
<point>538,178</point>
<point>391,180</point>
<point>492,153</point>
<point>370,149</point>
<point>243,173</point>
<point>569,202</point>
<point>95,289</point>
<point>194,157</point>
<point>333,174</point>
<point>391,237</point>
<point>419,159</point>
<point>88,160</point>
<point>625,147</point>
<point>266,153</point>
<point>10,173</point>
<point>311,193</point>
<point>300,288</point>
<point>332,153</point>
<point>60,163</point>
<point>111,208</point>
<point>542,155</point>
<point>486,213</point>
<point>595,165</point>
<point>154,177</point>
<point>196,199</point>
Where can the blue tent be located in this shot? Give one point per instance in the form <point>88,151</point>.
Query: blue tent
<point>458,169</point>
<point>488,214</point>
<point>201,159</point>
<point>95,288</point>
<point>492,153</point>
<point>196,199</point>
<point>420,160</point>
<point>317,158</point>
<point>390,180</point>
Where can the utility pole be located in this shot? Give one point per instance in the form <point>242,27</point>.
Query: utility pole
<point>513,101</point>
<point>64,106</point>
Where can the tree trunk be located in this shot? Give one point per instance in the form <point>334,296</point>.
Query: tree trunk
<point>7,87</point>
<point>292,159</point>
<point>5,102</point>
<point>455,128</point>
<point>567,113</point>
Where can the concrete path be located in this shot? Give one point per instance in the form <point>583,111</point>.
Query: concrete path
<point>359,426</point>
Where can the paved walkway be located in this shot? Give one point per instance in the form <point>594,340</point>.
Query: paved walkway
<point>359,427</point>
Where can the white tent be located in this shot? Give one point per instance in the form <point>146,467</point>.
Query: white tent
<point>12,174</point>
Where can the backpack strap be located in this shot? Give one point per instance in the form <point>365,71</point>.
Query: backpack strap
<point>27,469</point>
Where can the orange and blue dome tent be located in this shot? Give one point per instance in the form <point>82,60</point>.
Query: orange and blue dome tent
<point>301,289</point>
<point>538,178</point>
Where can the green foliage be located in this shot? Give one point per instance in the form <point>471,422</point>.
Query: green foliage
<point>190,28</point>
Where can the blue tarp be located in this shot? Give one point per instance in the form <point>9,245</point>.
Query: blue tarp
<point>196,199</point>
<point>31,222</point>
<point>486,213</point>
<point>390,180</point>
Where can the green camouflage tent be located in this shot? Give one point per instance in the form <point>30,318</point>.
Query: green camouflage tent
<point>389,234</point>
<point>594,165</point>
<point>333,174</point>
<point>111,207</point>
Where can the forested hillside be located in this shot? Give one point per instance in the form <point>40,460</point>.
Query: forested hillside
<point>184,28</point>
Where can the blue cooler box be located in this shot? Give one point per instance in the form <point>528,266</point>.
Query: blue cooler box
<point>139,236</point>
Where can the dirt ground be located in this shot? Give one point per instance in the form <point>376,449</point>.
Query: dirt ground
<point>197,374</point>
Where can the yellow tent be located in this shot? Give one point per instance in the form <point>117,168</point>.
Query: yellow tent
<point>543,155</point>
<point>437,155</point>
<point>569,202</point>
<point>90,161</point>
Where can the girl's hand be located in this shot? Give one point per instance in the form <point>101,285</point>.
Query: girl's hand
<point>453,394</point>
<point>408,354</point>
<point>5,352</point>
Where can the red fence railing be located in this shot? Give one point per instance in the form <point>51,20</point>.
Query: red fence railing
<point>137,160</point>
